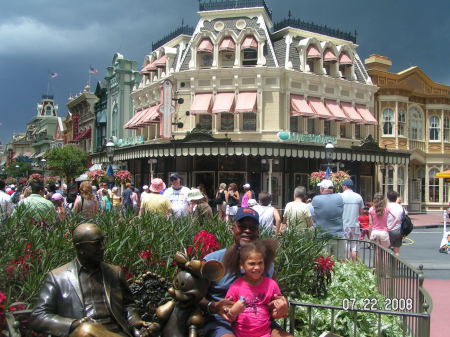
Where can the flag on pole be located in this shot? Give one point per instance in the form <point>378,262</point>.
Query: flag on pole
<point>92,70</point>
<point>53,75</point>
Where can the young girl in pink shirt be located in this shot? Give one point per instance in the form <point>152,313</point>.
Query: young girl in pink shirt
<point>252,292</point>
<point>378,214</point>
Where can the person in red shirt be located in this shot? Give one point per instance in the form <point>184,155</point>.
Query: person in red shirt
<point>364,223</point>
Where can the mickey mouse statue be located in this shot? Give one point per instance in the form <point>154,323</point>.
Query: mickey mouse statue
<point>182,316</point>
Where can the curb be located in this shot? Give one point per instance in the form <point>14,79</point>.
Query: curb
<point>429,226</point>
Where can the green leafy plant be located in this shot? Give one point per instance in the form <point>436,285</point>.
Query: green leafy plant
<point>68,161</point>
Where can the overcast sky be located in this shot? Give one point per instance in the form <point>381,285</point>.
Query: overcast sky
<point>62,36</point>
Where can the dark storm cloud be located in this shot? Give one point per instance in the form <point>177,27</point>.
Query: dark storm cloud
<point>38,36</point>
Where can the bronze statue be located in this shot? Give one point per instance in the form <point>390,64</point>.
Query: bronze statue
<point>182,317</point>
<point>87,297</point>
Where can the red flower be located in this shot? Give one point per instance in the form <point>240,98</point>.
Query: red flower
<point>128,274</point>
<point>2,298</point>
<point>324,264</point>
<point>149,257</point>
<point>204,243</point>
<point>28,246</point>
<point>17,307</point>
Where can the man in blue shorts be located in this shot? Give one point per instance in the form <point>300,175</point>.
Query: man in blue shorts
<point>245,229</point>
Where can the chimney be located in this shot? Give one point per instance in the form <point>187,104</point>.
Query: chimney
<point>378,62</point>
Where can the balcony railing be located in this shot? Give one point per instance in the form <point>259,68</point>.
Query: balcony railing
<point>179,31</point>
<point>417,145</point>
<point>230,4</point>
<point>312,27</point>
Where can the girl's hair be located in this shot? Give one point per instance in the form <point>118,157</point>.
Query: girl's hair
<point>235,255</point>
<point>379,203</point>
<point>233,186</point>
<point>86,190</point>
<point>222,186</point>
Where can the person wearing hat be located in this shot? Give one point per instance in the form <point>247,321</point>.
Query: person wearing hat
<point>58,200</point>
<point>200,207</point>
<point>248,194</point>
<point>328,208</point>
<point>87,297</point>
<point>145,192</point>
<point>245,229</point>
<point>353,207</point>
<point>6,205</point>
<point>178,195</point>
<point>155,202</point>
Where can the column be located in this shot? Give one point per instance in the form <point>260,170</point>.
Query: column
<point>395,182</point>
<point>396,130</point>
<point>406,185</point>
<point>427,185</point>
<point>441,187</point>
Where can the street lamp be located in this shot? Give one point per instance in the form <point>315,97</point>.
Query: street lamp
<point>329,149</point>
<point>269,172</point>
<point>151,162</point>
<point>110,147</point>
<point>43,164</point>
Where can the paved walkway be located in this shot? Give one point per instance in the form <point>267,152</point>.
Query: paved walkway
<point>427,220</point>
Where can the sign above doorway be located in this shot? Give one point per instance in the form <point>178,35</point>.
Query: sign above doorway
<point>305,138</point>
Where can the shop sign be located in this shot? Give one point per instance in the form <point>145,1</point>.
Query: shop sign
<point>131,141</point>
<point>305,138</point>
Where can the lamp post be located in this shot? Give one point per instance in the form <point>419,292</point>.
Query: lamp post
<point>43,164</point>
<point>110,148</point>
<point>329,149</point>
<point>151,162</point>
<point>269,161</point>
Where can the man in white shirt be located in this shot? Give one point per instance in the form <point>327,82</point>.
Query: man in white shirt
<point>397,209</point>
<point>6,205</point>
<point>353,205</point>
<point>296,213</point>
<point>145,193</point>
<point>178,195</point>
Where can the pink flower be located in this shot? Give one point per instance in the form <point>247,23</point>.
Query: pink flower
<point>2,298</point>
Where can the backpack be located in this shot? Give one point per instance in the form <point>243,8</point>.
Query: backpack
<point>406,226</point>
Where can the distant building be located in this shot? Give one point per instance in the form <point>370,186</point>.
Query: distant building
<point>240,99</point>
<point>414,115</point>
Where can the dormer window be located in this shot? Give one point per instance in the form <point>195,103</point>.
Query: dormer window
<point>330,62</point>
<point>227,52</point>
<point>205,53</point>
<point>345,66</point>
<point>313,57</point>
<point>249,49</point>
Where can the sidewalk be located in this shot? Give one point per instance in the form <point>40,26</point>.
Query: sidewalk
<point>428,220</point>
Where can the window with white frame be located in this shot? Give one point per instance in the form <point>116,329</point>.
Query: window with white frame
<point>446,129</point>
<point>311,126</point>
<point>446,190</point>
<point>327,128</point>
<point>248,121</point>
<point>293,124</point>
<point>415,124</point>
<point>390,178</point>
<point>226,58</point>
<point>205,60</point>
<point>205,121</point>
<point>435,128</point>
<point>226,121</point>
<point>401,182</point>
<point>388,121</point>
<point>343,130</point>
<point>249,57</point>
<point>401,122</point>
<point>433,185</point>
<point>358,134</point>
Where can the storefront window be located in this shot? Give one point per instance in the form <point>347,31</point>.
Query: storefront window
<point>446,129</point>
<point>388,122</point>
<point>433,185</point>
<point>401,122</point>
<point>416,124</point>
<point>249,121</point>
<point>227,122</point>
<point>390,178</point>
<point>401,181</point>
<point>327,128</point>
<point>358,131</point>
<point>435,128</point>
<point>343,131</point>
<point>205,121</point>
<point>293,124</point>
<point>311,126</point>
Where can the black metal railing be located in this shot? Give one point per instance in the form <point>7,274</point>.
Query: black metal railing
<point>230,4</point>
<point>313,27</point>
<point>187,30</point>
<point>400,283</point>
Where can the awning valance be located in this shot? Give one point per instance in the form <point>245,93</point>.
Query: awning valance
<point>201,104</point>
<point>151,116</point>
<point>161,62</point>
<point>366,114</point>
<point>132,121</point>
<point>149,67</point>
<point>319,108</point>
<point>223,102</point>
<point>345,59</point>
<point>227,44</point>
<point>445,174</point>
<point>249,43</point>
<point>313,52</point>
<point>206,46</point>
<point>352,114</point>
<point>246,102</point>
<point>336,110</point>
<point>329,55</point>
<point>83,135</point>
<point>300,107</point>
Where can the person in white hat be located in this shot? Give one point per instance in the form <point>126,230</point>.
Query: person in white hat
<point>248,194</point>
<point>145,192</point>
<point>199,205</point>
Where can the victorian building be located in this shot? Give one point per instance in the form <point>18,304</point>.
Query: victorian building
<point>414,115</point>
<point>240,99</point>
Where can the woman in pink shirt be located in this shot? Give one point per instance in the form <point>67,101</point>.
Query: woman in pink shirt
<point>378,215</point>
<point>253,292</point>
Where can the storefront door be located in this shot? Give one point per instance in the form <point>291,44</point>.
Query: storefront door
<point>239,178</point>
<point>366,188</point>
<point>277,187</point>
<point>207,179</point>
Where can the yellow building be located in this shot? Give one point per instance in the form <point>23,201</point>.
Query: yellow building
<point>414,115</point>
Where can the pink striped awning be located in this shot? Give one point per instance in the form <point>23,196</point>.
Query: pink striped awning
<point>246,102</point>
<point>161,62</point>
<point>149,67</point>
<point>313,52</point>
<point>320,109</point>
<point>137,115</point>
<point>336,110</point>
<point>227,44</point>
<point>328,55</point>
<point>249,43</point>
<point>151,116</point>
<point>345,59</point>
<point>300,107</point>
<point>224,102</point>
<point>352,114</point>
<point>205,45</point>
<point>366,114</point>
<point>201,104</point>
